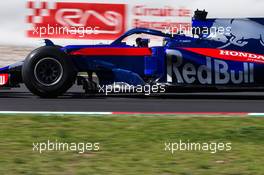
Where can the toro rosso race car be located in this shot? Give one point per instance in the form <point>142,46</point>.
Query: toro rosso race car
<point>229,58</point>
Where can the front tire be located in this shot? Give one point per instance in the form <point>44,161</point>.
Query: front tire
<point>48,72</point>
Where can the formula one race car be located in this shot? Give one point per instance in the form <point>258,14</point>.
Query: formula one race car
<point>220,54</point>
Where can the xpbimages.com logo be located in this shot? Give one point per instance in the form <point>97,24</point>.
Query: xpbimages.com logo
<point>49,146</point>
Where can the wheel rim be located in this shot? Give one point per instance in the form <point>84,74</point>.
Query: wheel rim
<point>48,71</point>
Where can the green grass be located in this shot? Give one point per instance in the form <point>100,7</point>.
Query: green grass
<point>131,145</point>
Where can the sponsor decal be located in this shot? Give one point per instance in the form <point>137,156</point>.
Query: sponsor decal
<point>229,55</point>
<point>214,71</point>
<point>76,20</point>
<point>3,79</point>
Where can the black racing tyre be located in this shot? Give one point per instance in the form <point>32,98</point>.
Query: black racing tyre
<point>48,72</point>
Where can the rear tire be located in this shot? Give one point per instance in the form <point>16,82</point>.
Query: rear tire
<point>48,72</point>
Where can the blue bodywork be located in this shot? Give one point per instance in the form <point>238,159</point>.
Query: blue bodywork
<point>128,69</point>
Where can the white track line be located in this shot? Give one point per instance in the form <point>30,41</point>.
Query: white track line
<point>256,114</point>
<point>55,113</point>
<point>193,114</point>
